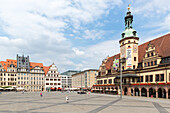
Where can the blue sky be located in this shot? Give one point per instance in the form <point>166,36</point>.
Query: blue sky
<point>75,34</point>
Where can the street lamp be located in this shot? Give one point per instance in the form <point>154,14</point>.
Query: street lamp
<point>121,61</point>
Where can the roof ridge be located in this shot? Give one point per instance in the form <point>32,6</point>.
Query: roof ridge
<point>154,39</point>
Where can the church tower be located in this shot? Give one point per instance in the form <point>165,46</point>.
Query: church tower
<point>129,44</point>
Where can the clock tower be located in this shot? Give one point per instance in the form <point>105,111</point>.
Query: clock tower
<point>129,44</point>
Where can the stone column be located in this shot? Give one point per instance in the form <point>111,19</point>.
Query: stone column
<point>140,93</point>
<point>156,92</point>
<point>147,92</point>
<point>133,92</point>
<point>129,91</point>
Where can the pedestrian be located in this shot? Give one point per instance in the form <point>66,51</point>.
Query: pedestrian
<point>67,99</point>
<point>41,94</point>
<point>23,92</point>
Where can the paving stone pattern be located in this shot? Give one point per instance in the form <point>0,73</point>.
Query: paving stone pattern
<point>16,102</point>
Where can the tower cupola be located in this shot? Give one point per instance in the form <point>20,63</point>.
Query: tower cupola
<point>129,32</point>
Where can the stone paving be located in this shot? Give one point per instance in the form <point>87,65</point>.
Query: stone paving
<point>16,102</point>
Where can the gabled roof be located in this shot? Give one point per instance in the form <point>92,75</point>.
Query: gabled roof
<point>161,47</point>
<point>161,44</point>
<point>46,69</point>
<point>34,64</point>
<point>110,60</point>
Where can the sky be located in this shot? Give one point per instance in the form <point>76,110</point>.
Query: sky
<point>75,34</point>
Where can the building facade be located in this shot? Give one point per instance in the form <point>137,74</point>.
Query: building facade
<point>66,81</point>
<point>52,78</point>
<point>66,78</point>
<point>145,68</point>
<point>21,74</point>
<point>84,79</point>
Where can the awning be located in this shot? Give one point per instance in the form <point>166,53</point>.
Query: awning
<point>59,88</point>
<point>126,76</point>
<point>9,88</point>
<point>52,88</point>
<point>1,88</point>
<point>20,88</point>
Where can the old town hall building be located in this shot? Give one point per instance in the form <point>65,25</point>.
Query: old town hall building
<point>145,67</point>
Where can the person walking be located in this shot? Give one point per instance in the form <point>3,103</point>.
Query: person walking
<point>41,94</point>
<point>67,99</point>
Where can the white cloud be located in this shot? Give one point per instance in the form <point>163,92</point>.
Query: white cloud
<point>93,34</point>
<point>93,55</point>
<point>77,51</point>
<point>36,28</point>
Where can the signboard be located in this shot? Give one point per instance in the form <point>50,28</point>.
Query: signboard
<point>115,64</point>
<point>135,48</point>
<point>123,52</point>
<point>129,57</point>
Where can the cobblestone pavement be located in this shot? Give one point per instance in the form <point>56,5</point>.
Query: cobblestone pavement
<point>90,103</point>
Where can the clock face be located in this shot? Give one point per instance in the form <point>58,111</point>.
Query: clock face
<point>135,48</point>
<point>123,52</point>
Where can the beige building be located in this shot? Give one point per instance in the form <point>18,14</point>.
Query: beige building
<point>21,74</point>
<point>84,79</point>
<point>145,68</point>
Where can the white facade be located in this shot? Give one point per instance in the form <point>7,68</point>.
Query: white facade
<point>52,78</point>
<point>66,81</point>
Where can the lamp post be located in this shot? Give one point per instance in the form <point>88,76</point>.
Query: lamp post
<point>121,61</point>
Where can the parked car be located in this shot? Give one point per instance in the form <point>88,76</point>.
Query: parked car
<point>81,92</point>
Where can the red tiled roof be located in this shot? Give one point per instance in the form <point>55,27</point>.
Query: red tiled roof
<point>161,44</point>
<point>34,64</point>
<point>109,62</point>
<point>7,63</point>
<point>46,68</point>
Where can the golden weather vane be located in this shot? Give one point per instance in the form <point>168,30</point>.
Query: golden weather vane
<point>129,7</point>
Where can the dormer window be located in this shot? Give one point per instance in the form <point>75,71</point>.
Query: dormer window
<point>123,34</point>
<point>134,33</point>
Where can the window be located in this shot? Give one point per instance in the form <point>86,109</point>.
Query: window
<point>141,79</point>
<point>123,68</point>
<point>109,71</point>
<point>148,55</point>
<point>162,77</point>
<point>51,83</point>
<point>151,78</point>
<point>146,79</point>
<point>129,41</point>
<point>152,63</point>
<point>152,54</point>
<point>101,81</point>
<point>145,64</point>
<point>133,66</point>
<point>134,58</point>
<point>105,81</point>
<point>128,46</point>
<point>157,77</point>
<point>47,83</point>
<point>110,81</point>
<point>133,79</point>
<point>155,62</point>
<point>148,63</point>
<point>55,83</point>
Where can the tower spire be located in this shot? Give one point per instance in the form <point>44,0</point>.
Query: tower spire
<point>129,32</point>
<point>128,19</point>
